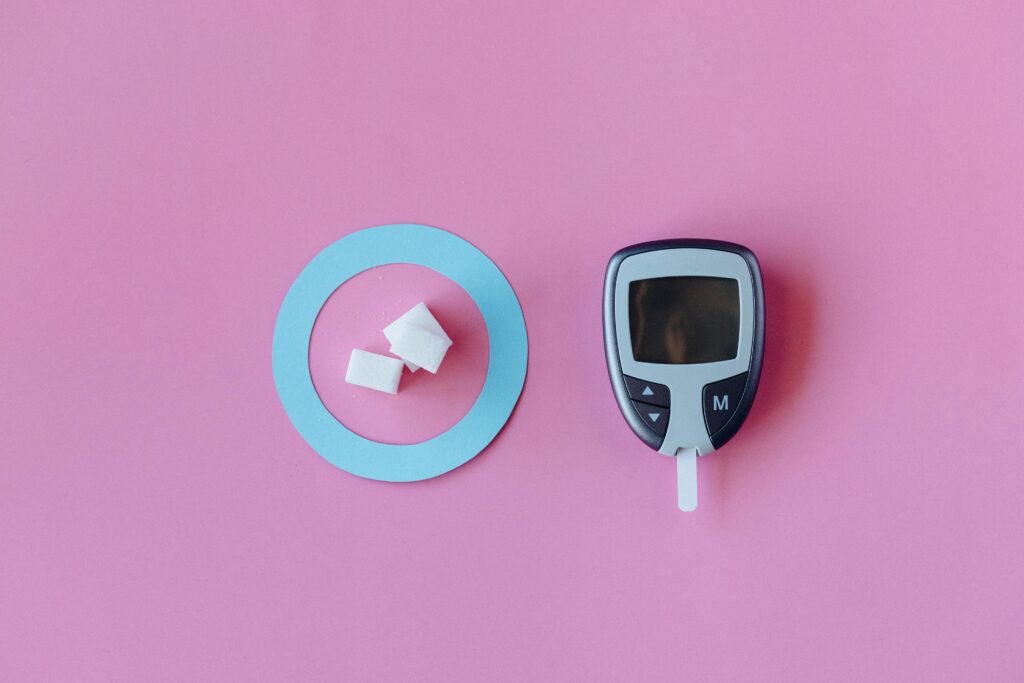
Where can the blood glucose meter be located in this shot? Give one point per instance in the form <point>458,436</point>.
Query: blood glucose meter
<point>684,337</point>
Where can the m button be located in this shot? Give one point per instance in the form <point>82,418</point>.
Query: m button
<point>721,400</point>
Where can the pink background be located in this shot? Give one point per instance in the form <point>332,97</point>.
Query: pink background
<point>165,173</point>
<point>354,317</point>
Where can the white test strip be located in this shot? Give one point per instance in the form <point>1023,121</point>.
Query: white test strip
<point>686,478</point>
<point>419,316</point>
<point>374,371</point>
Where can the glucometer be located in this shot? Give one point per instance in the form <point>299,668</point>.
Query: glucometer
<point>684,337</point>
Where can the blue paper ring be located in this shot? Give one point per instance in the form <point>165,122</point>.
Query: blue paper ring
<point>449,255</point>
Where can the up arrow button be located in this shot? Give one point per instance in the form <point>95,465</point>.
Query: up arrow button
<point>647,392</point>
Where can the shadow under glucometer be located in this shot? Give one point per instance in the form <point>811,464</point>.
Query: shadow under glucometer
<point>790,316</point>
<point>790,330</point>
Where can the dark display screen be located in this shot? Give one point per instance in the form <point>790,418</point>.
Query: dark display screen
<point>682,320</point>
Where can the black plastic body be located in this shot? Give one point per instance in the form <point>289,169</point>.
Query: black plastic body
<point>646,434</point>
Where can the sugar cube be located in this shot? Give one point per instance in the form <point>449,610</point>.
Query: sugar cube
<point>418,316</point>
<point>418,346</point>
<point>374,371</point>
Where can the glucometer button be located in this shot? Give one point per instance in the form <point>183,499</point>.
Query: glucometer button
<point>647,392</point>
<point>721,400</point>
<point>655,417</point>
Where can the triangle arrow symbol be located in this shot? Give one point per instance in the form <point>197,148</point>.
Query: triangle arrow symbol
<point>654,416</point>
<point>647,391</point>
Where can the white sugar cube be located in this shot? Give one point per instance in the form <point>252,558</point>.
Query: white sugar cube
<point>418,316</point>
<point>418,346</point>
<point>374,371</point>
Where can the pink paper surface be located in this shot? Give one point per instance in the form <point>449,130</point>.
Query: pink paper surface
<point>167,169</point>
<point>355,316</point>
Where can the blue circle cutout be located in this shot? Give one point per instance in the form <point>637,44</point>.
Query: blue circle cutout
<point>450,256</point>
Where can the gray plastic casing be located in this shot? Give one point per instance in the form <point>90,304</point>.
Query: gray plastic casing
<point>686,382</point>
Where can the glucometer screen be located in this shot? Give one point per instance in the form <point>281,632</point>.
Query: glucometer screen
<point>682,320</point>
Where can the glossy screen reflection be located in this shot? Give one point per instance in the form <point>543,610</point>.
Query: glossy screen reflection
<point>682,320</point>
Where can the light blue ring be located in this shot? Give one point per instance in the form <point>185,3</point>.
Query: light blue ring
<point>449,255</point>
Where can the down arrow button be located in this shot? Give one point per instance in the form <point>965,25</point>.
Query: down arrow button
<point>654,417</point>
